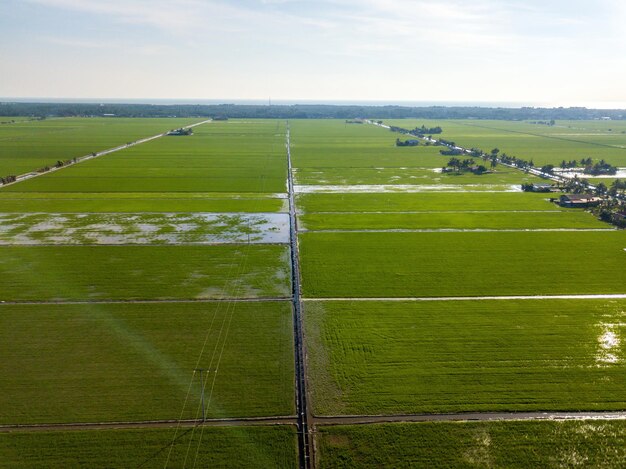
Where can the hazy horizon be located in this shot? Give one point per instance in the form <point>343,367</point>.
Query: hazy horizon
<point>548,54</point>
<point>288,102</point>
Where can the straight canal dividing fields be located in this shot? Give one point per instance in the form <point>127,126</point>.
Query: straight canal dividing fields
<point>129,323</point>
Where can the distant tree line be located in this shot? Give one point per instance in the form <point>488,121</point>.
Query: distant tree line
<point>303,111</point>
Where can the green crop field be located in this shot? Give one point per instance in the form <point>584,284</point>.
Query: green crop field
<point>238,447</point>
<point>120,202</point>
<point>63,273</point>
<point>450,356</point>
<point>568,140</point>
<point>124,362</point>
<point>28,146</point>
<point>218,157</point>
<point>424,202</point>
<point>449,220</point>
<point>598,443</point>
<point>124,273</point>
<point>462,264</point>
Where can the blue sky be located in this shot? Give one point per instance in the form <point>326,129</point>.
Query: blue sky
<point>551,52</point>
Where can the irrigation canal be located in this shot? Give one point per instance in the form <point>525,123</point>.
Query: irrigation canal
<point>305,440</point>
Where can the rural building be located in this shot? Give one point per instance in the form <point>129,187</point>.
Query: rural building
<point>579,200</point>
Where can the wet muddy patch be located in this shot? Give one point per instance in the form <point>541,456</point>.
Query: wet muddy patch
<point>142,228</point>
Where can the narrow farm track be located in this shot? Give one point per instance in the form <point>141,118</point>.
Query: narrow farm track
<point>457,230</point>
<point>184,300</point>
<point>318,420</point>
<point>33,174</point>
<point>616,296</point>
<point>226,422</point>
<point>468,417</point>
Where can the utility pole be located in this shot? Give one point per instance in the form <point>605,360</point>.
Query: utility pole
<point>201,370</point>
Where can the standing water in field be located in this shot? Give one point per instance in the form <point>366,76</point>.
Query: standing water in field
<point>144,228</point>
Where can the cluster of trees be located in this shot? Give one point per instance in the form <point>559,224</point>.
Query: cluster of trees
<point>551,122</point>
<point>589,167</point>
<point>448,143</point>
<point>466,165</point>
<point>7,179</point>
<point>303,111</point>
<point>407,143</point>
<point>451,152</point>
<point>423,130</point>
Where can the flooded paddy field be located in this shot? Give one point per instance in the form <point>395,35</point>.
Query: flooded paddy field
<point>154,228</point>
<point>139,358</point>
<point>462,264</point>
<point>382,357</point>
<point>475,444</point>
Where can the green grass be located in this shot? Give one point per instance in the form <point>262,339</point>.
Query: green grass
<point>462,264</point>
<point>28,146</point>
<point>472,445</point>
<point>424,201</point>
<point>143,272</point>
<point>447,220</point>
<point>456,356</point>
<point>131,362</point>
<point>236,447</point>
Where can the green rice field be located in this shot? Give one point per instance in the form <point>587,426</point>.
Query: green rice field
<point>425,202</point>
<point>567,140</point>
<point>598,443</point>
<point>123,274</point>
<point>29,145</point>
<point>238,447</point>
<point>450,220</point>
<point>135,361</point>
<point>63,273</point>
<point>218,157</point>
<point>462,264</point>
<point>455,356</point>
